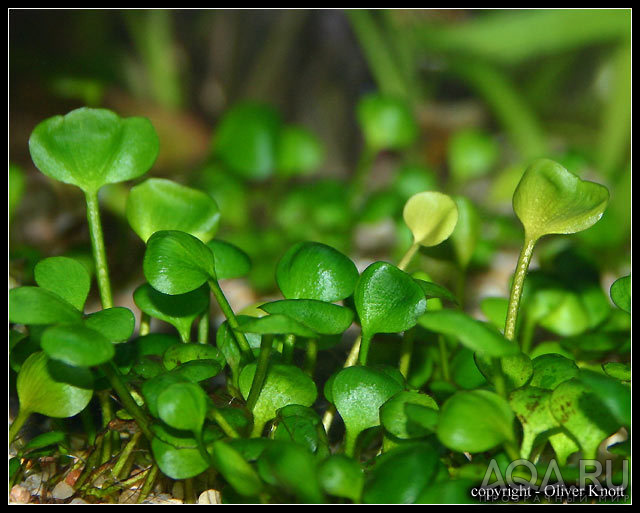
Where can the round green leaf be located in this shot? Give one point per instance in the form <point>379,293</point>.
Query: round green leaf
<point>549,199</point>
<point>276,324</point>
<point>179,310</point>
<point>283,385</point>
<point>77,345</point>
<point>579,410</point>
<point>621,293</point>
<point>341,476</point>
<point>549,370</point>
<point>52,388</point>
<point>158,204</point>
<point>90,148</point>
<point>475,421</point>
<point>431,216</point>
<point>400,475</point>
<point>230,260</point>
<point>246,139</point>
<point>180,354</point>
<point>310,270</point>
<point>115,324</point>
<point>183,406</point>
<point>177,263</point>
<point>358,393</point>
<point>517,369</point>
<point>177,453</point>
<point>299,152</point>
<point>387,300</point>
<point>396,419</point>
<point>35,305</point>
<point>321,317</point>
<point>65,277</point>
<point>475,335</point>
<point>471,154</point>
<point>236,471</point>
<point>387,123</point>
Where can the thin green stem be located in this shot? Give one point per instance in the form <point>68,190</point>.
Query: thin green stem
<point>408,256</point>
<point>88,425</point>
<point>112,374</point>
<point>444,357</point>
<point>19,421</point>
<point>287,347</point>
<point>149,481</point>
<point>145,325</point>
<point>311,356</point>
<point>203,328</point>
<point>516,288</point>
<point>364,350</point>
<point>219,419</point>
<point>99,253</point>
<point>244,346</point>
<point>261,371</point>
<point>406,351</point>
<point>120,464</point>
<point>498,378</point>
<point>107,416</point>
<point>528,331</point>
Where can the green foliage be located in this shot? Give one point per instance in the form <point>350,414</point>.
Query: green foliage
<point>387,123</point>
<point>431,216</point>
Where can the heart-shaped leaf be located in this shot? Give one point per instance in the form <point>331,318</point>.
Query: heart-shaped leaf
<point>341,476</point>
<point>246,138</point>
<point>299,152</point>
<point>550,370</point>
<point>77,345</point>
<point>293,468</point>
<point>551,200</point>
<point>399,475</point>
<point>65,277</point>
<point>310,270</point>
<point>475,335</point>
<point>90,148</point>
<point>235,469</point>
<point>115,324</point>
<point>579,410</point>
<point>177,453</point>
<point>283,385</point>
<point>475,421</point>
<point>396,420</point>
<point>387,300</point>
<point>358,393</point>
<point>621,293</point>
<point>321,317</point>
<point>52,388</point>
<point>183,406</point>
<point>531,406</point>
<point>431,216</point>
<point>516,369</point>
<point>386,122</point>
<point>276,324</point>
<point>179,310</point>
<point>176,262</point>
<point>35,305</point>
<point>230,260</point>
<point>158,204</point>
<point>180,354</point>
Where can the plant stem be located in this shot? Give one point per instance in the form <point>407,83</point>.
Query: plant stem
<point>287,347</point>
<point>222,422</point>
<point>112,374</point>
<point>99,253</point>
<point>444,357</point>
<point>408,256</point>
<point>498,378</point>
<point>311,356</point>
<point>120,464</point>
<point>528,331</point>
<point>516,288</point>
<point>364,350</point>
<point>261,371</point>
<point>19,421</point>
<point>145,325</point>
<point>231,318</point>
<point>407,348</point>
<point>107,416</point>
<point>203,328</point>
<point>149,481</point>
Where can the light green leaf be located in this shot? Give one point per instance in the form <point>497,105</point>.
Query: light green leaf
<point>431,216</point>
<point>230,260</point>
<point>65,277</point>
<point>35,305</point>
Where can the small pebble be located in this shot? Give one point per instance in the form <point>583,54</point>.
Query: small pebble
<point>78,500</point>
<point>20,495</point>
<point>210,497</point>
<point>33,482</point>
<point>62,491</point>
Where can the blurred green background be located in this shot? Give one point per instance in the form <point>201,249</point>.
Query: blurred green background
<point>485,92</point>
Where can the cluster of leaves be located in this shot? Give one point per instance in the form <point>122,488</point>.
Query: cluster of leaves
<point>242,412</point>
